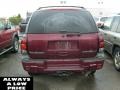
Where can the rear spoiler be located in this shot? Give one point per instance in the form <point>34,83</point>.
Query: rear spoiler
<point>60,6</point>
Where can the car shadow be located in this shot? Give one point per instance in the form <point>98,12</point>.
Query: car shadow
<point>107,55</point>
<point>88,83</point>
<point>73,82</point>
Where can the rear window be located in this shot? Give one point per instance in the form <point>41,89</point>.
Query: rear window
<point>61,21</point>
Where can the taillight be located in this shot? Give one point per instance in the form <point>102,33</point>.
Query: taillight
<point>23,44</point>
<point>23,47</point>
<point>101,41</point>
<point>100,55</point>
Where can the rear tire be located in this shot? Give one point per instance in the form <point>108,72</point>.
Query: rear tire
<point>93,72</point>
<point>29,73</point>
<point>90,73</point>
<point>116,58</point>
<point>32,74</point>
<point>15,45</point>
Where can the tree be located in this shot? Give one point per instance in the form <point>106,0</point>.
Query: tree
<point>15,19</point>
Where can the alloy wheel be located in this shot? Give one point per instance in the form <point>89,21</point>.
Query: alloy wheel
<point>117,60</point>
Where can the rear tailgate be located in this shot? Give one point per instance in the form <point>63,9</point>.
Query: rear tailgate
<point>62,46</point>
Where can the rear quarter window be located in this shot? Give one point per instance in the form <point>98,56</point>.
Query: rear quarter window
<point>56,21</point>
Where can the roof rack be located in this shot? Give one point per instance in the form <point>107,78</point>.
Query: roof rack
<point>60,6</point>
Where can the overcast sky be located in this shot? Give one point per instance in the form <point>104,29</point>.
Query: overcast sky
<point>13,7</point>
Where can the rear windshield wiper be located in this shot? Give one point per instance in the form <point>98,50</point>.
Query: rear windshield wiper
<point>63,31</point>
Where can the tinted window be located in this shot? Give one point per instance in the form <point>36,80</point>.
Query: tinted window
<point>56,21</point>
<point>115,23</point>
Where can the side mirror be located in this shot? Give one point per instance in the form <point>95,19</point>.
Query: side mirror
<point>100,25</point>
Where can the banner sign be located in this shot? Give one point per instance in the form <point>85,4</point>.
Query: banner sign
<point>16,83</point>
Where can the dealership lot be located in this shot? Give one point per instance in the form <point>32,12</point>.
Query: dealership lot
<point>60,45</point>
<point>105,79</point>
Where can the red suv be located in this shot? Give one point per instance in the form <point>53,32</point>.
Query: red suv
<point>9,39</point>
<point>62,39</point>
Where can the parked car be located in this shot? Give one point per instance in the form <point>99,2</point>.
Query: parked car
<point>101,21</point>
<point>8,37</point>
<point>23,25</point>
<point>111,33</point>
<point>62,40</point>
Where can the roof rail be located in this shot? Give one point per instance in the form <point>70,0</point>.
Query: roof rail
<point>60,6</point>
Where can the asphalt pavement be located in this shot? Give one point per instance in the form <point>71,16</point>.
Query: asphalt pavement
<point>105,79</point>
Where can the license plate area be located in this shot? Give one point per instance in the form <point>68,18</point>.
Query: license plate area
<point>63,45</point>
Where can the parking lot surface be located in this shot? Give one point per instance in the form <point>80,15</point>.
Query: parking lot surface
<point>105,79</point>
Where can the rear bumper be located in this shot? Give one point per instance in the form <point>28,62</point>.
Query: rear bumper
<point>50,65</point>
